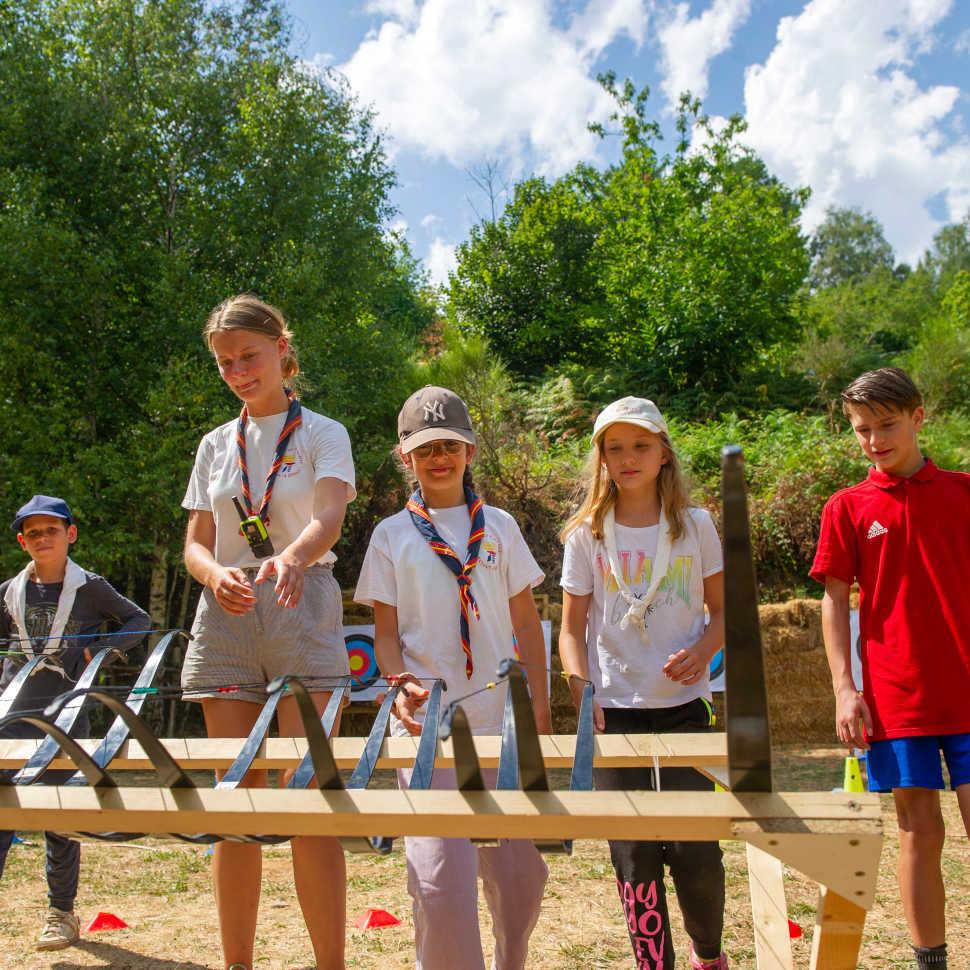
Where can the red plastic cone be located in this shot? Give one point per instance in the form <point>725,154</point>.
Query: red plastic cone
<point>106,921</point>
<point>372,919</point>
<point>794,930</point>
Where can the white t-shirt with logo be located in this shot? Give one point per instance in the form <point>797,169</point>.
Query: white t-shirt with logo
<point>627,672</point>
<point>401,570</point>
<point>318,448</point>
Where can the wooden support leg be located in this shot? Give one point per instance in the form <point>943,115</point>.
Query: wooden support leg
<point>769,913</point>
<point>838,932</point>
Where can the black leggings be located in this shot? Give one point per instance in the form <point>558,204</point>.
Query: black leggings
<point>696,867</point>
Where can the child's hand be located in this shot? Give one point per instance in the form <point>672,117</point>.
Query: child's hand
<point>232,590</point>
<point>289,579</point>
<point>410,696</point>
<point>686,666</point>
<point>853,720</point>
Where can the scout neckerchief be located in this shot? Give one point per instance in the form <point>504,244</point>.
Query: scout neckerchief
<point>15,600</point>
<point>462,571</point>
<point>637,606</point>
<point>294,419</point>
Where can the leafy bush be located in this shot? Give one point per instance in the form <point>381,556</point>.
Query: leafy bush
<point>940,361</point>
<point>533,440</point>
<point>793,464</point>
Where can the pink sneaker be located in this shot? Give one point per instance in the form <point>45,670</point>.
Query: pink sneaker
<point>696,963</point>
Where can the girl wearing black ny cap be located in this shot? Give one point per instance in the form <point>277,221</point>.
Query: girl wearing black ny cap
<point>266,504</point>
<point>450,580</point>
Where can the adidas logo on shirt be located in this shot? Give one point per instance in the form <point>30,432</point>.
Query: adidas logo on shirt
<point>876,529</point>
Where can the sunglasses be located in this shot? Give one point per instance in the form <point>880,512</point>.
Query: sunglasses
<point>447,447</point>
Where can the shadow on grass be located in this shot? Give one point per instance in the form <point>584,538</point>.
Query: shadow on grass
<point>120,958</point>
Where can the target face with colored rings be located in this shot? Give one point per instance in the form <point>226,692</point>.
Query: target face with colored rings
<point>363,661</point>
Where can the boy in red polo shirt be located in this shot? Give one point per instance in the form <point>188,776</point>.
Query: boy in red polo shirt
<point>904,536</point>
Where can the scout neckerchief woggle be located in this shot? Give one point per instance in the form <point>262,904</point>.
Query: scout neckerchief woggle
<point>462,570</point>
<point>637,606</point>
<point>253,524</point>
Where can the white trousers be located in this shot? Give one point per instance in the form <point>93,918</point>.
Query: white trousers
<point>443,882</point>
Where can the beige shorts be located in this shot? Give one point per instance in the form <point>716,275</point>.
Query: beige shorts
<point>269,641</point>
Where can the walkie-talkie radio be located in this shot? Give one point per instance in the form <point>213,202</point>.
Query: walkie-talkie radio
<point>254,532</point>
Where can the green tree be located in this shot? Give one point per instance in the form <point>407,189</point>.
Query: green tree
<point>527,280</point>
<point>875,315</point>
<point>949,253</point>
<point>156,157</point>
<point>701,256</point>
<point>940,360</point>
<point>861,325</point>
<point>675,273</point>
<point>847,247</point>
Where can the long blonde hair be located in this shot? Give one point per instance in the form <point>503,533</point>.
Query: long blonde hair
<point>248,312</point>
<point>600,492</point>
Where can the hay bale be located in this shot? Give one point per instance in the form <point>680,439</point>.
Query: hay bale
<point>800,702</point>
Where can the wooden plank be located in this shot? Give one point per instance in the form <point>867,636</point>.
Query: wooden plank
<point>846,862</point>
<point>616,749</point>
<point>838,932</point>
<point>769,913</point>
<point>719,774</point>
<point>487,814</point>
<point>610,750</point>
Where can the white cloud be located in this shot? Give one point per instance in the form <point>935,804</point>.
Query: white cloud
<point>430,221</point>
<point>594,28</point>
<point>404,10</point>
<point>962,44</point>
<point>441,260</point>
<point>689,44</point>
<point>464,79</point>
<point>319,63</point>
<point>836,107</point>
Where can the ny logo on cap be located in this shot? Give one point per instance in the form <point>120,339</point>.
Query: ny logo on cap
<point>434,411</point>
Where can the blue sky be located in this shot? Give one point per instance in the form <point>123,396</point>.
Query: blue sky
<point>865,101</point>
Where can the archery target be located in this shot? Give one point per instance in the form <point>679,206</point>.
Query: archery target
<point>717,671</point>
<point>362,660</point>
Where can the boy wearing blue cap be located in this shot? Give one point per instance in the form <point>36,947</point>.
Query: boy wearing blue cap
<point>55,608</point>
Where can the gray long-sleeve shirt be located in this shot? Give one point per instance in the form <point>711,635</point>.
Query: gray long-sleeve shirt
<point>95,603</point>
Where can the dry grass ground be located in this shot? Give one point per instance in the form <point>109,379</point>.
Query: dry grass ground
<point>161,889</point>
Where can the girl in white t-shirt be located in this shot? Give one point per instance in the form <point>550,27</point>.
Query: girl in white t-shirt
<point>270,605</point>
<point>640,565</point>
<point>453,610</point>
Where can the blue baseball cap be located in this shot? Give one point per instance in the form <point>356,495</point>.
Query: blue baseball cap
<point>42,505</point>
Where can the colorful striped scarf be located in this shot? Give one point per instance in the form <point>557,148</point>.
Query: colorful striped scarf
<point>462,570</point>
<point>294,418</point>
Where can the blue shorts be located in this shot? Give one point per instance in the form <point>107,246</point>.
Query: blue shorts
<point>915,762</point>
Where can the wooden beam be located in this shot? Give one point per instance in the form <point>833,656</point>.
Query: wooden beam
<point>846,862</point>
<point>610,750</point>
<point>489,814</point>
<point>838,932</point>
<point>769,914</point>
